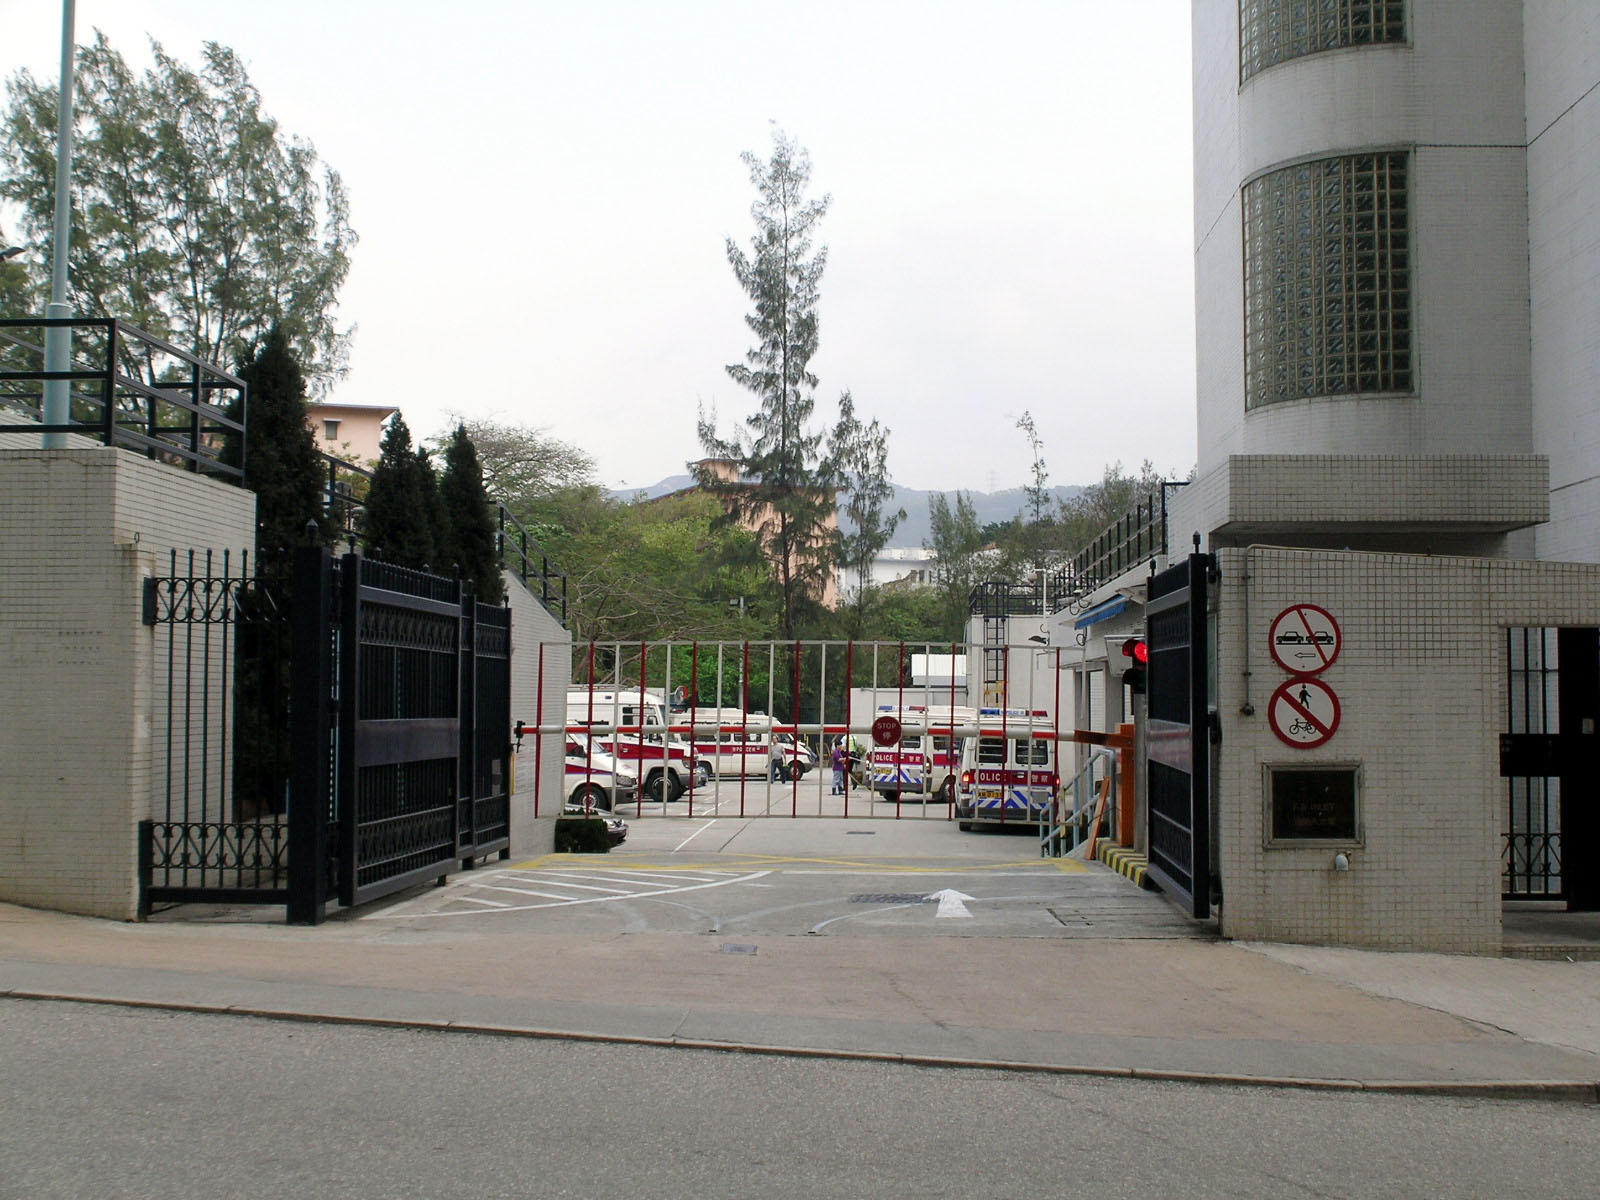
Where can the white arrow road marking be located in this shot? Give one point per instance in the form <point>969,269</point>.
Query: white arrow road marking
<point>951,903</point>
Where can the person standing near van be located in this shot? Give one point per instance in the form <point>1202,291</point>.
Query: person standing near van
<point>838,768</point>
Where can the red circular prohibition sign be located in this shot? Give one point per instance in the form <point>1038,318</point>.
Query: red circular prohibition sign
<point>886,731</point>
<point>1305,639</point>
<point>1303,712</point>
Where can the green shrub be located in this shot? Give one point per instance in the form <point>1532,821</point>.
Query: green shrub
<point>582,835</point>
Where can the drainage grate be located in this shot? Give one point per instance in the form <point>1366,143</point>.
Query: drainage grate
<point>889,898</point>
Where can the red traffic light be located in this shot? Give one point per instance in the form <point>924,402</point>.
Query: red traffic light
<point>1136,649</point>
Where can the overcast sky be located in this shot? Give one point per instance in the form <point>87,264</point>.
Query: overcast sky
<point>542,193</point>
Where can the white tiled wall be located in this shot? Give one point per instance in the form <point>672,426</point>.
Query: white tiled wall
<point>1421,681</point>
<point>79,531</point>
<point>541,667</point>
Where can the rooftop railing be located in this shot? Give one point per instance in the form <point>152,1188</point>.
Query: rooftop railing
<point>124,387</point>
<point>1133,539</point>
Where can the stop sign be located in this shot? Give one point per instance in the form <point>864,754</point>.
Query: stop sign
<point>886,731</point>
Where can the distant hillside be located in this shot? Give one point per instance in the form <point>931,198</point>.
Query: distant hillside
<point>913,531</point>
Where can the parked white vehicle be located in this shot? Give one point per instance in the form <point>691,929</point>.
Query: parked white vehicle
<point>594,778</point>
<point>925,763</point>
<point>632,725</point>
<point>737,743</point>
<point>1009,771</point>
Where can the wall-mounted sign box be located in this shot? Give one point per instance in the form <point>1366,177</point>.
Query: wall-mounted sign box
<point>1312,805</point>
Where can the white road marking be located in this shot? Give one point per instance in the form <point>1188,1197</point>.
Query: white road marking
<point>951,903</point>
<point>693,835</point>
<point>634,876</point>
<point>480,900</point>
<point>531,892</point>
<point>400,915</point>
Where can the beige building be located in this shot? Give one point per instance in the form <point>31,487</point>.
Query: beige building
<point>353,432</point>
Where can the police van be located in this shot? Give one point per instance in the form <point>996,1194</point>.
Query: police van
<point>1008,771</point>
<point>631,725</point>
<point>924,763</point>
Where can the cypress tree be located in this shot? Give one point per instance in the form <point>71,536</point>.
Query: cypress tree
<point>282,466</point>
<point>469,518</point>
<point>402,502</point>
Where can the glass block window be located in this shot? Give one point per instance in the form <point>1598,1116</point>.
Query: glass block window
<point>1327,280</point>
<point>1272,31</point>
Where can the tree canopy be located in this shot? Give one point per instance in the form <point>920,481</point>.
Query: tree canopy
<point>523,465</point>
<point>957,542</point>
<point>860,454</point>
<point>194,216</point>
<point>401,521</point>
<point>779,484</point>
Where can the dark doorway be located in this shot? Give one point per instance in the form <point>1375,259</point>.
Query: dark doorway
<point>1548,756</point>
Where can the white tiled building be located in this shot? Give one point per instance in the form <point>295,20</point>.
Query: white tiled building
<point>1397,261</point>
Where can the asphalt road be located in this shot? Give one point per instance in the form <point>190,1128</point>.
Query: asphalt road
<point>102,1101</point>
<point>743,878</point>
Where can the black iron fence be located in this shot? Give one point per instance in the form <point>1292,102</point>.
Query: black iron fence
<point>345,499</point>
<point>393,765</point>
<point>123,387</point>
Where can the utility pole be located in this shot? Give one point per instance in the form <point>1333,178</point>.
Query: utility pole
<point>57,408</point>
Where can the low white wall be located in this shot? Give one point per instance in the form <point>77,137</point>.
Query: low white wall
<point>1421,680</point>
<point>80,530</point>
<point>541,668</point>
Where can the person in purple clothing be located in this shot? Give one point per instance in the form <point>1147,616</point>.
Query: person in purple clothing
<point>838,768</point>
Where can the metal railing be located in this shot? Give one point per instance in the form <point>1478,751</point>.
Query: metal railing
<point>126,388</point>
<point>1134,538</point>
<point>344,499</point>
<point>521,555</point>
<point>1073,821</point>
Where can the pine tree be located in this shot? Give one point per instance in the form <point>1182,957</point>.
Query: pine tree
<point>469,519</point>
<point>780,487</point>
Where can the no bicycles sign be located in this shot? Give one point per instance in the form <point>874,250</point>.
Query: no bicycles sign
<point>1303,712</point>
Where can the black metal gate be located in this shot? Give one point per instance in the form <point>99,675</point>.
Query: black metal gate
<point>218,756</point>
<point>1178,769</point>
<point>484,819</point>
<point>393,767</point>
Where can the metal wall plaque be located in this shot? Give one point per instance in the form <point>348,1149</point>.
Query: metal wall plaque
<point>1312,804</point>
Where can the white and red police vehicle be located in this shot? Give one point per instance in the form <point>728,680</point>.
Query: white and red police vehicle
<point>1009,770</point>
<point>924,763</point>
